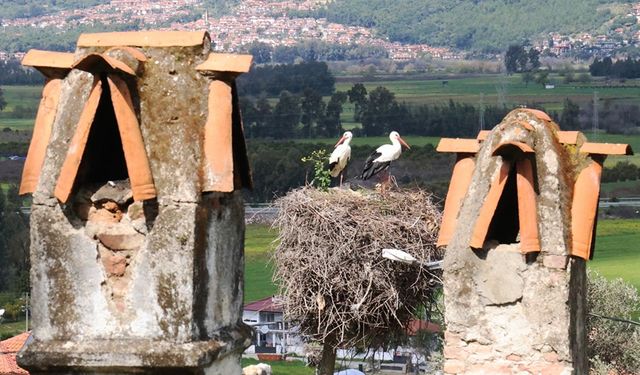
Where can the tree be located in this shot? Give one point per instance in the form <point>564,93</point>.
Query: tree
<point>312,108</point>
<point>542,78</point>
<point>513,57</point>
<point>286,116</point>
<point>527,77</point>
<point>570,119</point>
<point>358,95</point>
<point>376,119</point>
<point>613,343</point>
<point>331,124</point>
<point>3,102</point>
<point>263,118</point>
<point>261,52</point>
<point>534,58</point>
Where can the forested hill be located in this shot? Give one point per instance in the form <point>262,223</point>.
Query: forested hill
<point>480,25</point>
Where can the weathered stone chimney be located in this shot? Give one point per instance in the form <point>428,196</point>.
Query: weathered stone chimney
<point>518,226</point>
<point>137,224</point>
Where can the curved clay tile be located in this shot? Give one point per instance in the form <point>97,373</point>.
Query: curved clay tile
<point>511,148</point>
<point>606,148</point>
<point>134,52</point>
<point>584,209</point>
<point>50,64</point>
<point>144,39</point>
<point>41,134</point>
<point>132,143</point>
<point>527,208</point>
<point>218,146</point>
<point>69,170</point>
<point>470,146</point>
<point>538,113</point>
<point>460,180</point>
<point>483,134</point>
<point>98,63</point>
<point>481,227</point>
<point>226,62</point>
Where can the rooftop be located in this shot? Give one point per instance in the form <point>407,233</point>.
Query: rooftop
<point>8,350</point>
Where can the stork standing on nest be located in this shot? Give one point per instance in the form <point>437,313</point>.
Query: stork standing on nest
<point>340,156</point>
<point>381,158</point>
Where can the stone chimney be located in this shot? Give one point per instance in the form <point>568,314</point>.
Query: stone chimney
<point>137,222</point>
<point>518,226</point>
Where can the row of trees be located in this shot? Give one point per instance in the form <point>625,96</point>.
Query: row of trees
<point>272,79</point>
<point>293,116</point>
<point>313,50</point>
<point>627,68</point>
<point>613,117</point>
<point>14,243</point>
<point>379,112</point>
<point>13,73</point>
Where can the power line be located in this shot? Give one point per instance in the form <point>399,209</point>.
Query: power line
<point>615,319</point>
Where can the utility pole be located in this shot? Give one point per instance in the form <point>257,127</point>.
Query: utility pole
<point>595,115</point>
<point>26,312</point>
<point>481,111</point>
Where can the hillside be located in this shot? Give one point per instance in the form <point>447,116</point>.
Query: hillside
<point>480,25</point>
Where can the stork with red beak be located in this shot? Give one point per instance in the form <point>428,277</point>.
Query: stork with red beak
<point>340,156</point>
<point>381,158</point>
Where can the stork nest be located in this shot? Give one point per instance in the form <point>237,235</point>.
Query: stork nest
<point>333,280</point>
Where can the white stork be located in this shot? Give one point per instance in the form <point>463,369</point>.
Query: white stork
<point>381,158</point>
<point>340,156</point>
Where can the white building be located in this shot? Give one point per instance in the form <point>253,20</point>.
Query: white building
<point>272,334</point>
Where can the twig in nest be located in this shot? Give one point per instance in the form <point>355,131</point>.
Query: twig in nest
<point>329,252</point>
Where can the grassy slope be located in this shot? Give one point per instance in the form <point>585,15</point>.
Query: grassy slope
<point>10,329</point>
<point>618,250</point>
<point>258,270</point>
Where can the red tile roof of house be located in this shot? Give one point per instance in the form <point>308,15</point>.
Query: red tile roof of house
<point>268,304</point>
<point>422,325</point>
<point>8,350</point>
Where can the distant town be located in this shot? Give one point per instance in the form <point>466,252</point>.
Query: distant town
<point>271,22</point>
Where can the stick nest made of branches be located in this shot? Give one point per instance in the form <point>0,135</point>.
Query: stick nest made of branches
<point>333,280</point>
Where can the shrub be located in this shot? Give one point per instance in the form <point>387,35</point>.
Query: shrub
<point>613,344</point>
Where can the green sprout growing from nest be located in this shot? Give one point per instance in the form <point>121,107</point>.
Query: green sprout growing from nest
<point>321,175</point>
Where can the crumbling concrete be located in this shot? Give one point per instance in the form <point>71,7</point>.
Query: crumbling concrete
<point>137,286</point>
<point>511,309</point>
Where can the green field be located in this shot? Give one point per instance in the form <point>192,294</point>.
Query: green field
<point>618,250</point>
<point>258,270</point>
<point>283,367</point>
<point>486,88</point>
<point>10,329</point>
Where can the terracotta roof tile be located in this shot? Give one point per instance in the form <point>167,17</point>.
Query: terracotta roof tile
<point>458,145</point>
<point>539,114</point>
<point>606,148</point>
<point>50,64</point>
<point>226,62</point>
<point>483,134</point>
<point>268,304</point>
<point>144,39</point>
<point>49,59</point>
<point>511,147</point>
<point>8,350</point>
<point>568,137</point>
<point>419,325</point>
<point>95,62</point>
